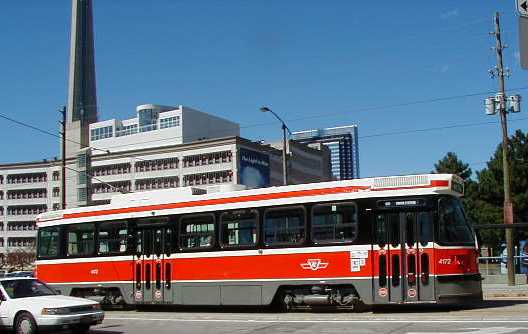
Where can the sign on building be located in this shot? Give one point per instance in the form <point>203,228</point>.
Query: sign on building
<point>254,169</point>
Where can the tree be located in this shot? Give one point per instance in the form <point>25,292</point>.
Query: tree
<point>491,178</point>
<point>450,164</point>
<point>20,259</point>
<point>484,204</point>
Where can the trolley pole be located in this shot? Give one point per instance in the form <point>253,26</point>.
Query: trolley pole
<point>501,99</point>
<point>63,171</point>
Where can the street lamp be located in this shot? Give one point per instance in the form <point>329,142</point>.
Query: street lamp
<point>284,129</point>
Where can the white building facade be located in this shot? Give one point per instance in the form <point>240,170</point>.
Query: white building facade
<point>175,147</point>
<point>26,189</point>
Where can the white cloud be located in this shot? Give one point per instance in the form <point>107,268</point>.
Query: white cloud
<point>444,68</point>
<point>450,14</point>
<point>517,55</point>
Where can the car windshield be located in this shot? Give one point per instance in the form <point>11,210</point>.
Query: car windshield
<point>21,288</point>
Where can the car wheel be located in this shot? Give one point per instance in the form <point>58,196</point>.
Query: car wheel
<point>81,329</point>
<point>25,324</point>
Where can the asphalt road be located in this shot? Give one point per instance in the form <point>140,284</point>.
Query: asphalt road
<point>491,317</point>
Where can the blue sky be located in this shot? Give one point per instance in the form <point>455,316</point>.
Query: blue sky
<point>315,63</point>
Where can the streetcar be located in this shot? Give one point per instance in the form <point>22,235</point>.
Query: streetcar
<point>371,241</point>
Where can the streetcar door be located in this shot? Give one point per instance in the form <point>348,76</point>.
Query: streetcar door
<point>153,269</point>
<point>143,260</point>
<point>404,257</point>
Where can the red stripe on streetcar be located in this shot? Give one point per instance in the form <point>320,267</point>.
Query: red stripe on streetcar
<point>323,265</point>
<point>226,200</point>
<point>241,199</point>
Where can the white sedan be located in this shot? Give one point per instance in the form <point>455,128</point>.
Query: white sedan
<point>27,305</point>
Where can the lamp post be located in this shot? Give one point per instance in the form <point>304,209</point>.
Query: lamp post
<point>284,129</point>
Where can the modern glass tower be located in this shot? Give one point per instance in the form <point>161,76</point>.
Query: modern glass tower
<point>343,145</point>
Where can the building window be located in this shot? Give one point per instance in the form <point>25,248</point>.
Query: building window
<point>208,178</point>
<point>82,195</point>
<point>20,242</point>
<point>207,158</point>
<point>157,164</point>
<point>169,122</point>
<point>126,130</point>
<point>101,133</point>
<point>81,178</point>
<point>26,178</point>
<point>122,186</point>
<point>56,176</point>
<point>111,169</point>
<point>20,210</point>
<point>158,183</point>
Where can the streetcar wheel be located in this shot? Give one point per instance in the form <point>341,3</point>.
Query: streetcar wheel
<point>284,301</point>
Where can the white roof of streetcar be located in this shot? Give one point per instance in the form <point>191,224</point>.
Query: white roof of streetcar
<point>229,196</point>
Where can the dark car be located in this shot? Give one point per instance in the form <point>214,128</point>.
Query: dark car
<point>20,274</point>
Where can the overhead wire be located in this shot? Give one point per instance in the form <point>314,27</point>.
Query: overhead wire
<point>388,106</point>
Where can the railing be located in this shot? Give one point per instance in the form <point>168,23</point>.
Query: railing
<point>492,265</point>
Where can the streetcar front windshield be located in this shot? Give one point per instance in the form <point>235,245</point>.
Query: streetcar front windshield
<point>453,227</point>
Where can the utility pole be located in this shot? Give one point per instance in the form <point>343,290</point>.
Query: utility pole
<point>63,171</point>
<point>499,103</point>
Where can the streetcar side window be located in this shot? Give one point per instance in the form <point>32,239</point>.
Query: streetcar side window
<point>284,226</point>
<point>453,228</point>
<point>334,223</point>
<point>81,240</point>
<point>48,242</point>
<point>239,228</point>
<point>112,238</point>
<point>197,231</point>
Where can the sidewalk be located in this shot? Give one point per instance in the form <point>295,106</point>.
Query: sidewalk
<point>502,290</point>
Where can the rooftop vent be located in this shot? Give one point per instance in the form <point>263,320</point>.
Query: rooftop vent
<point>400,181</point>
<point>146,196</point>
<point>222,188</point>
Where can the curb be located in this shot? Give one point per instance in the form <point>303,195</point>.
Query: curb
<point>505,294</point>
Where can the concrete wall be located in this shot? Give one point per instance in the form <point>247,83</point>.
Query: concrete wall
<point>197,125</point>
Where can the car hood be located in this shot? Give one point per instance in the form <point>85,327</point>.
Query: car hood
<point>55,301</point>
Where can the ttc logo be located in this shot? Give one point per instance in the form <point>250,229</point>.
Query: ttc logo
<point>314,264</point>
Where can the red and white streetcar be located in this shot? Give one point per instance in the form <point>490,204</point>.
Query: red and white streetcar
<point>398,239</point>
